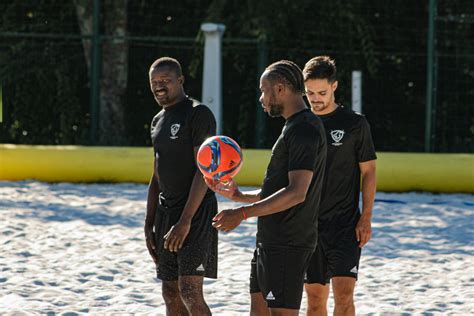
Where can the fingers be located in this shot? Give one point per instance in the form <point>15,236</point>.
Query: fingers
<point>173,242</point>
<point>226,220</point>
<point>151,249</point>
<point>364,238</point>
<point>167,238</point>
<point>226,189</point>
<point>223,187</point>
<point>150,240</point>
<point>218,216</point>
<point>219,220</point>
<point>223,226</point>
<point>211,183</point>
<point>152,244</point>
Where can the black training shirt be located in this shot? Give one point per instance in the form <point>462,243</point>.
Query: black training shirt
<point>175,131</point>
<point>300,146</point>
<point>348,143</point>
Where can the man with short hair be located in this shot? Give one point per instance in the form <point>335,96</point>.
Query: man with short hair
<point>180,207</point>
<point>287,204</point>
<point>343,231</point>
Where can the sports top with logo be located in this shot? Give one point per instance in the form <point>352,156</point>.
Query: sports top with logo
<point>175,131</point>
<point>300,146</point>
<point>348,143</point>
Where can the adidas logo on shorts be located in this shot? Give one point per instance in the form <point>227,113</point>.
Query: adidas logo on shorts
<point>270,296</point>
<point>200,268</point>
<point>354,270</point>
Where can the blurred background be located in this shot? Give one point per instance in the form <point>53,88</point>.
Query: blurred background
<point>76,71</point>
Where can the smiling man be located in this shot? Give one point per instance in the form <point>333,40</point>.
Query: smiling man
<point>343,231</point>
<point>180,207</point>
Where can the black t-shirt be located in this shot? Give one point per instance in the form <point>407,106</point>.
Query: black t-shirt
<point>175,131</point>
<point>301,146</point>
<point>348,143</point>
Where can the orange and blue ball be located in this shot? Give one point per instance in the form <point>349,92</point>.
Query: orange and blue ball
<point>219,158</point>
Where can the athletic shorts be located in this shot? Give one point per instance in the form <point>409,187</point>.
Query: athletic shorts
<point>198,256</point>
<point>337,253</point>
<point>278,273</point>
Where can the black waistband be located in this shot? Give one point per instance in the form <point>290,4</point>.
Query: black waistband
<point>168,206</point>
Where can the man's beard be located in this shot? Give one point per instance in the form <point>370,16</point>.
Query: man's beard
<point>275,110</point>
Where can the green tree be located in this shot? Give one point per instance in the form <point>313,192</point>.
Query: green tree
<point>114,70</point>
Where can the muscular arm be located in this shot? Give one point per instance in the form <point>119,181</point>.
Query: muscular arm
<point>364,226</point>
<point>174,239</point>
<point>196,194</point>
<point>231,191</point>
<point>248,196</point>
<point>369,182</point>
<point>294,193</point>
<point>151,204</point>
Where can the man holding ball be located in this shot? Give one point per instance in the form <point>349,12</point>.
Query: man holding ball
<point>287,204</point>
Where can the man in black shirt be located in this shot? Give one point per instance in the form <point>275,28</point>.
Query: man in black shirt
<point>180,207</point>
<point>343,231</point>
<point>287,204</point>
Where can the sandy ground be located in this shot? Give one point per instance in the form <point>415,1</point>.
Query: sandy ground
<point>79,249</point>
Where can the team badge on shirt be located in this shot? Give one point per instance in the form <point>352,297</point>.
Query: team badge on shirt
<point>174,130</point>
<point>337,135</point>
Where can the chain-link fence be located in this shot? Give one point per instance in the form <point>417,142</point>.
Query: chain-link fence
<point>52,94</point>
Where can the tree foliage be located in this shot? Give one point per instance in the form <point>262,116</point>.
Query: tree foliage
<point>46,81</point>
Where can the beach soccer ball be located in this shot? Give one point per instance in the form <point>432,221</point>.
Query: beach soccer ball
<point>219,158</point>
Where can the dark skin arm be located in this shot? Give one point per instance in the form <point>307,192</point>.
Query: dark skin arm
<point>291,195</point>
<point>231,191</point>
<point>176,236</point>
<point>151,204</point>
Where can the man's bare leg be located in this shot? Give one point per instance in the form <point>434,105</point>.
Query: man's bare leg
<point>258,305</point>
<point>343,289</point>
<point>173,301</point>
<point>283,312</point>
<point>190,288</point>
<point>317,298</point>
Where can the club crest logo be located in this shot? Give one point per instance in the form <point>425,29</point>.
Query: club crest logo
<point>337,135</point>
<point>174,130</point>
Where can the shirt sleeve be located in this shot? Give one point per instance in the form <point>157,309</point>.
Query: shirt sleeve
<point>365,146</point>
<point>303,141</point>
<point>203,125</point>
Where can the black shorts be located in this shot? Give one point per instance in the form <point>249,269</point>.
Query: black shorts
<point>278,273</point>
<point>198,256</point>
<point>337,253</point>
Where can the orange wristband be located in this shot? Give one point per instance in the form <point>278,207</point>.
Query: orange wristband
<point>242,209</point>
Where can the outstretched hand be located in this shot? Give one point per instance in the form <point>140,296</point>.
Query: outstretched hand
<point>227,189</point>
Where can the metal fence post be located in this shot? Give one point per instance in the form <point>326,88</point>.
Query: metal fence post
<point>95,75</point>
<point>212,72</point>
<point>430,76</point>
<point>357,91</point>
